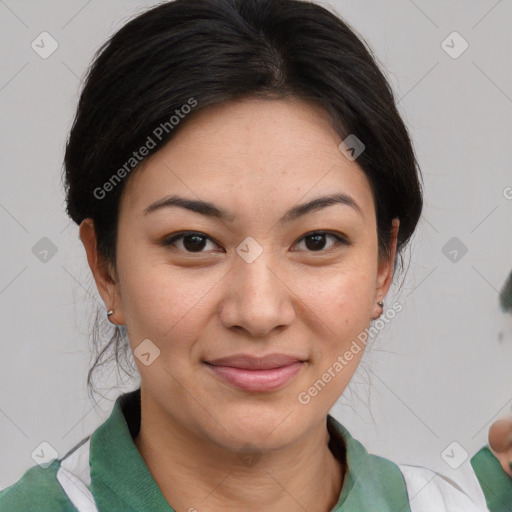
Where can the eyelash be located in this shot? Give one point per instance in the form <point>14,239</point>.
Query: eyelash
<point>339,241</point>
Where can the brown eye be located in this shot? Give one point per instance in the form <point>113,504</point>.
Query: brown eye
<point>188,241</point>
<point>316,241</point>
<point>195,242</point>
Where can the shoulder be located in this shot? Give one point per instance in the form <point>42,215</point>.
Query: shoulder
<point>38,486</point>
<point>454,491</point>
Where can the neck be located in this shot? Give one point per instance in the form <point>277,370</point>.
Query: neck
<point>193,473</point>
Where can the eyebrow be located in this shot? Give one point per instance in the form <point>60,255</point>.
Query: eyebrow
<point>211,210</point>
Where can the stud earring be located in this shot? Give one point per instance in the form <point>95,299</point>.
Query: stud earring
<point>110,312</point>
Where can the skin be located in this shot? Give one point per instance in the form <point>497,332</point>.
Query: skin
<point>500,443</point>
<point>292,299</point>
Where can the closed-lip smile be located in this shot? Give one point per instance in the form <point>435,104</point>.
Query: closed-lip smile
<point>257,374</point>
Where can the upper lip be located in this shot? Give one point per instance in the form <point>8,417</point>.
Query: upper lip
<point>248,362</point>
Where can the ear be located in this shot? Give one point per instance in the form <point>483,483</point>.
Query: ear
<point>108,287</point>
<point>385,271</point>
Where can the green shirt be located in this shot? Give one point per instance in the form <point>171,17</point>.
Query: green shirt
<point>106,473</point>
<point>495,483</point>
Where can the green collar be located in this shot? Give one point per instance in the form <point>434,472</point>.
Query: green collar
<point>121,481</point>
<point>371,482</point>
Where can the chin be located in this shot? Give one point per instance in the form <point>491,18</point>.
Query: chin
<point>263,424</point>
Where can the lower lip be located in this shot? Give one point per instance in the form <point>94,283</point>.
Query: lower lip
<point>257,380</point>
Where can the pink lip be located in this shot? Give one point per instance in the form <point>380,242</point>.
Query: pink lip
<point>256,374</point>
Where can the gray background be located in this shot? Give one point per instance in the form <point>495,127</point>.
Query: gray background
<point>439,372</point>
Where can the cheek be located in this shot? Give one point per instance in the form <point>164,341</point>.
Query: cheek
<point>164,303</point>
<point>161,302</point>
<point>342,303</point>
<point>342,297</point>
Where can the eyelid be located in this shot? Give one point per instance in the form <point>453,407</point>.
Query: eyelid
<point>340,240</point>
<point>169,241</point>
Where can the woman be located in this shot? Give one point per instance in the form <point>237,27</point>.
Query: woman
<point>244,187</point>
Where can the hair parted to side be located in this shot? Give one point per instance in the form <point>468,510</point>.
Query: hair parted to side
<point>217,50</point>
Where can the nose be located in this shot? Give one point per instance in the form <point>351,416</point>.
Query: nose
<point>257,297</point>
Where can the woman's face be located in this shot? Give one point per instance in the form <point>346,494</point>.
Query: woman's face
<point>250,283</point>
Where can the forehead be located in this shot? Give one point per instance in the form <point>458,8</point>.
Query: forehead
<point>251,155</point>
